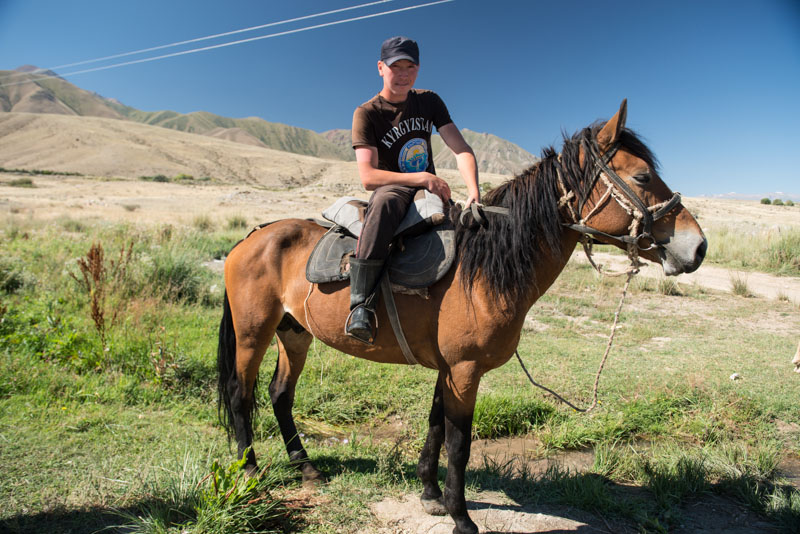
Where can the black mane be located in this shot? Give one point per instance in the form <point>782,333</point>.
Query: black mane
<point>505,251</point>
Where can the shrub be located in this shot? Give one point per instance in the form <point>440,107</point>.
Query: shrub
<point>789,202</point>
<point>156,178</point>
<point>766,201</point>
<point>177,276</point>
<point>21,182</point>
<point>183,177</point>
<point>203,223</point>
<point>668,287</point>
<point>739,286</point>
<point>777,202</point>
<point>71,225</point>
<point>12,277</point>
<point>237,222</point>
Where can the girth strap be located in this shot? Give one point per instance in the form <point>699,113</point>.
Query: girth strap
<point>394,320</point>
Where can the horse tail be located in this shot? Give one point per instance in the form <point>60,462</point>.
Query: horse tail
<point>226,366</point>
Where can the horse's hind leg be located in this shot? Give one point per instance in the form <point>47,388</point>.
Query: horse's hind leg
<point>428,467</point>
<point>293,343</point>
<point>241,349</point>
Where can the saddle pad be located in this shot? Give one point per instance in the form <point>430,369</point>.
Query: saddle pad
<point>425,211</point>
<point>415,262</point>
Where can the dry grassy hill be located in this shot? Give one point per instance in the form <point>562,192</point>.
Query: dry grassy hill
<point>97,146</point>
<point>27,91</point>
<point>111,155</point>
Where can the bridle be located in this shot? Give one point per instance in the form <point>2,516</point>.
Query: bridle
<point>642,216</point>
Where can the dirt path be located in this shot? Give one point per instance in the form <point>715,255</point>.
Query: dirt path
<point>493,512</point>
<point>711,277</point>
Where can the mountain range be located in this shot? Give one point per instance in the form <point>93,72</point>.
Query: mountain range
<point>30,92</point>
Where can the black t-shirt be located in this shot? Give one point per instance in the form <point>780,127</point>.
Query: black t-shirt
<point>401,132</point>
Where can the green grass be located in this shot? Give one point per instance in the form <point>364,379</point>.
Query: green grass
<point>124,432</point>
<point>505,415</point>
<point>767,250</point>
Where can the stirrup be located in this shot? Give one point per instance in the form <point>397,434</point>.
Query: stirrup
<point>371,339</point>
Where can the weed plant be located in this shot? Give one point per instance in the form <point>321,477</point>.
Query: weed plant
<point>739,286</point>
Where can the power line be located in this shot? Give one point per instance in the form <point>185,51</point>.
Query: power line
<point>206,38</point>
<point>232,43</point>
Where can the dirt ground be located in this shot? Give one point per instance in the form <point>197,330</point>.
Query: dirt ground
<point>494,513</point>
<point>708,276</point>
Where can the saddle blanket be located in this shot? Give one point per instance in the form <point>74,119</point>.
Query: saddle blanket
<point>416,261</point>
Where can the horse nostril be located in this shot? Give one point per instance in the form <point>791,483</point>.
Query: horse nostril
<point>701,251</point>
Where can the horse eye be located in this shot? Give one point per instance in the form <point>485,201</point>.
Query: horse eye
<point>642,178</point>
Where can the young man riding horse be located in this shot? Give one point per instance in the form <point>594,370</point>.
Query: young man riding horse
<point>392,141</point>
<point>603,183</point>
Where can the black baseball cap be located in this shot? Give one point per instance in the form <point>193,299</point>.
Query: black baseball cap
<point>397,48</point>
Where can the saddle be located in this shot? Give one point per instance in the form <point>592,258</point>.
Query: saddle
<point>422,252</point>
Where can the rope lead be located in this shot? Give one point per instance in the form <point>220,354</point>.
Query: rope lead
<point>595,402</point>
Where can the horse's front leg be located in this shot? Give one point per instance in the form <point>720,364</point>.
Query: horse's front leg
<point>428,467</point>
<point>460,389</point>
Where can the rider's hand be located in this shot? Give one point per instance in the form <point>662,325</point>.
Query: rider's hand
<point>437,186</point>
<point>473,198</point>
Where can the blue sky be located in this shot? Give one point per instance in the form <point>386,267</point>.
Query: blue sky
<point>713,86</point>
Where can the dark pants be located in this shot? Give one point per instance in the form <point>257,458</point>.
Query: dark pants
<point>387,207</point>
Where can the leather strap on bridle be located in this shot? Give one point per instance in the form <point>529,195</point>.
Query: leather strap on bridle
<point>626,197</point>
<point>642,216</point>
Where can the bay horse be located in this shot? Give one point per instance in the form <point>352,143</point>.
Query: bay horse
<point>604,183</point>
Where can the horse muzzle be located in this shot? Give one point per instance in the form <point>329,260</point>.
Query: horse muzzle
<point>682,253</point>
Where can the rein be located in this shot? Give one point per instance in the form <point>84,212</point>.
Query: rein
<point>642,216</point>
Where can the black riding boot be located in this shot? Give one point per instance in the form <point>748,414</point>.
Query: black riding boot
<point>364,278</point>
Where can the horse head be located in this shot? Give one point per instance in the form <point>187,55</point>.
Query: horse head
<point>626,203</point>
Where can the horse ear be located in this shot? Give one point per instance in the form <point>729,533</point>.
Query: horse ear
<point>610,132</point>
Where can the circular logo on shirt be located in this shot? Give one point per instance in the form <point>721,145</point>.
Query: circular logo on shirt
<point>413,156</point>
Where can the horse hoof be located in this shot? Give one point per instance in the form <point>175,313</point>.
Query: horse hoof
<point>434,506</point>
<point>250,470</point>
<point>312,476</point>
